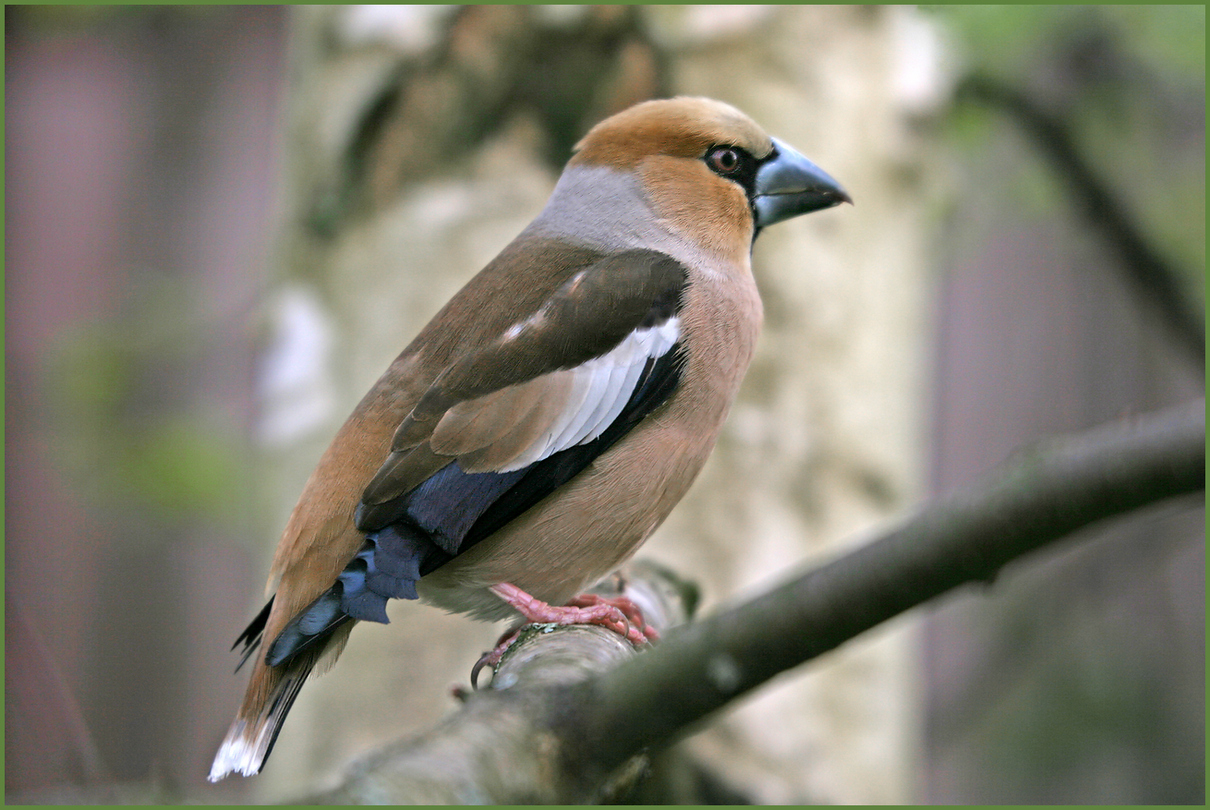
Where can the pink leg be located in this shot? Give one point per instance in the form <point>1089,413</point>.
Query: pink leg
<point>618,614</point>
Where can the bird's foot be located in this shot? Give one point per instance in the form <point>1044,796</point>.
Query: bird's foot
<point>635,629</point>
<point>616,613</point>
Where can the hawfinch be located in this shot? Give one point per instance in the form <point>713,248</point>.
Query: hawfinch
<point>549,417</point>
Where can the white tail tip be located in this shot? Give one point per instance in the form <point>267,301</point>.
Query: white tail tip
<point>243,750</point>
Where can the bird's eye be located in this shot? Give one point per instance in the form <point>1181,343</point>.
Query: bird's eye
<point>723,160</point>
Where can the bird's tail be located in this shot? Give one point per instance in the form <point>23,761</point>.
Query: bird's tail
<point>250,738</point>
<point>271,693</point>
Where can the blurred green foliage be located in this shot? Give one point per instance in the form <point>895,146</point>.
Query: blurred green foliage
<point>129,432</point>
<point>1128,82</point>
<point>1010,40</point>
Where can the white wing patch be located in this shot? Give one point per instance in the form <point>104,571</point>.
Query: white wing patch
<point>600,389</point>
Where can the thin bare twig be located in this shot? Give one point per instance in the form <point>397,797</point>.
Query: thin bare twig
<point>1155,277</point>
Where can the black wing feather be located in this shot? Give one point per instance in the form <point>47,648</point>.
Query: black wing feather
<point>253,634</point>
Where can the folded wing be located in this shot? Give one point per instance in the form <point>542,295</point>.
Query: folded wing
<point>503,427</point>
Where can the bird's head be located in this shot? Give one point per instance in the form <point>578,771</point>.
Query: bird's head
<point>707,168</point>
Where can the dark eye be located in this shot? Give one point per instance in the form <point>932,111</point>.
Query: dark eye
<point>723,159</point>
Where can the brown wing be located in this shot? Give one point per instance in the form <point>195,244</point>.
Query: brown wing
<point>502,428</point>
<point>498,374</point>
<point>493,408</point>
<point>320,536</point>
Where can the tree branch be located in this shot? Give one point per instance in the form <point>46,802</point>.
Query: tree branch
<point>562,741</point>
<point>1156,278</point>
<point>1040,496</point>
<point>498,749</point>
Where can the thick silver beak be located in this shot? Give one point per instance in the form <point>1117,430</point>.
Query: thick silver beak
<point>789,185</point>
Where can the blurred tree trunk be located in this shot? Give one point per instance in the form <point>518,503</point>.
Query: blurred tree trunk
<point>421,140</point>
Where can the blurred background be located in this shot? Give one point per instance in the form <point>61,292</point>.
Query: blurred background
<point>223,222</point>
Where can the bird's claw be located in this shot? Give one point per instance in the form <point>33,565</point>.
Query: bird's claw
<point>493,656</point>
<point>617,614</point>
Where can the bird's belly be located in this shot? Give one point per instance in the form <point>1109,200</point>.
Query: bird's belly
<point>580,534</point>
<point>597,520</point>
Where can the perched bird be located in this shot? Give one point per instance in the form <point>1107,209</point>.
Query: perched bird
<point>550,416</point>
